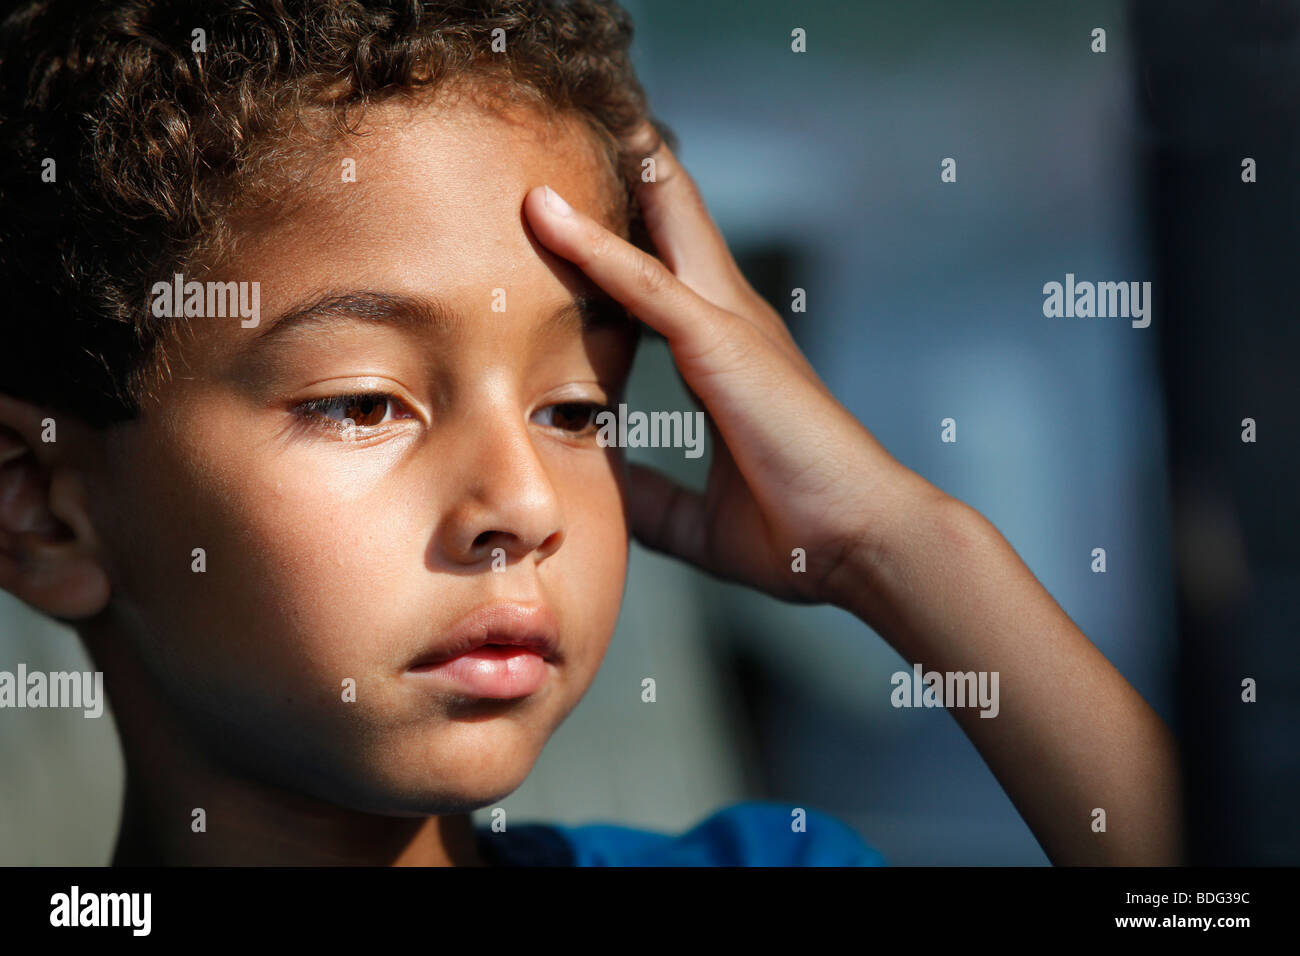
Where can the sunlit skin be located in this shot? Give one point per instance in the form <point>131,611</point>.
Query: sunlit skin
<point>328,559</point>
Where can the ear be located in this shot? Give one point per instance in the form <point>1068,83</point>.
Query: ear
<point>49,554</point>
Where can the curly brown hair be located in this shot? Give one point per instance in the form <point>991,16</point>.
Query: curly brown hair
<point>157,142</point>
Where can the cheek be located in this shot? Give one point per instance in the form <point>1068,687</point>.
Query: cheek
<point>294,556</point>
<point>591,567</point>
<point>328,557</point>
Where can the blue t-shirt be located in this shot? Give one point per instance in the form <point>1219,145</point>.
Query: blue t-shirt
<point>754,833</point>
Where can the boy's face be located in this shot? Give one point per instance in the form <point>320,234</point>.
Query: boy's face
<point>332,558</point>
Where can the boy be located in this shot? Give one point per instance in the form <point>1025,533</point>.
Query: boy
<point>324,300</point>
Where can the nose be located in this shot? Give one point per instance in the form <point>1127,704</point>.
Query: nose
<point>503,499</point>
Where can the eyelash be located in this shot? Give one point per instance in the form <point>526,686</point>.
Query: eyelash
<point>314,412</point>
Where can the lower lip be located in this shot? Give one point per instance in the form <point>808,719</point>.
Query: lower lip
<point>496,671</point>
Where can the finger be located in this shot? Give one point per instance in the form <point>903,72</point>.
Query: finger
<point>679,223</point>
<point>636,280</point>
<point>664,516</point>
<point>647,288</point>
<point>689,240</point>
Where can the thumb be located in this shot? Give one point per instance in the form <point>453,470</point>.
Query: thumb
<point>664,516</point>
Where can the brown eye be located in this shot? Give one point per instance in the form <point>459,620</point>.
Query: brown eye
<point>573,417</point>
<point>367,409</point>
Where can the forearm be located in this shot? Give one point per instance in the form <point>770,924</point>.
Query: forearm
<point>947,591</point>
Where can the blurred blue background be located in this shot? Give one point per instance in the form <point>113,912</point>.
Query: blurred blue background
<point>924,302</point>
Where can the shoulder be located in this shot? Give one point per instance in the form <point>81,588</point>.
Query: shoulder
<point>752,833</point>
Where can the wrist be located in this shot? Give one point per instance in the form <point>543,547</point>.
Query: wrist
<point>895,550</point>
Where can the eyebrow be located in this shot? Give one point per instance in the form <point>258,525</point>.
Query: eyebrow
<point>583,313</point>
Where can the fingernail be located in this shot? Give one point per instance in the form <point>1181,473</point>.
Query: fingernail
<point>556,204</point>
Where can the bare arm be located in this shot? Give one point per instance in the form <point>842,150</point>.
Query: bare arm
<point>1071,735</point>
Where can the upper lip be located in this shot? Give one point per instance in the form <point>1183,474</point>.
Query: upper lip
<point>533,626</point>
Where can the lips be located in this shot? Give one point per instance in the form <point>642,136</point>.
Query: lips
<point>525,627</point>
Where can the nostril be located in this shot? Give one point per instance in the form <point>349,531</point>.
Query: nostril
<point>482,540</point>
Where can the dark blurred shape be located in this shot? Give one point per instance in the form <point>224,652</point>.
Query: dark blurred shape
<point>1220,82</point>
<point>772,269</point>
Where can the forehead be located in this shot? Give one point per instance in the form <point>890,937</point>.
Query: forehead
<point>428,193</point>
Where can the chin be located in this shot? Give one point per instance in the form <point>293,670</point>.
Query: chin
<point>393,798</point>
<point>451,783</point>
<point>463,796</point>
